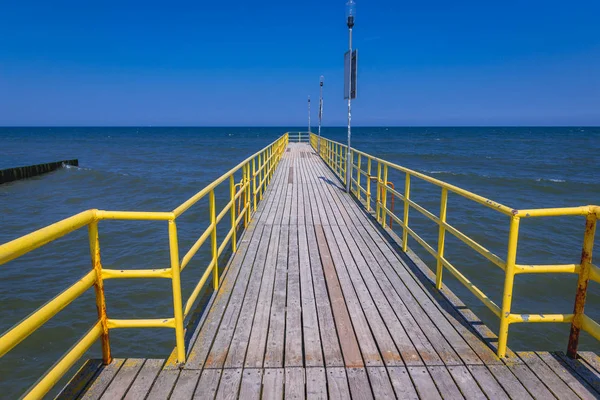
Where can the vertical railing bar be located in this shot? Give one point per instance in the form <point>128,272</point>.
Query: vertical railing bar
<point>358,174</point>
<point>213,239</point>
<point>233,226</point>
<point>254,181</point>
<point>177,302</point>
<point>378,190</point>
<point>406,208</point>
<point>369,184</point>
<point>582,284</point>
<point>441,239</point>
<point>384,195</point>
<point>509,277</point>
<point>94,241</point>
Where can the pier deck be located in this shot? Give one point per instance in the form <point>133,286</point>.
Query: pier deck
<point>319,302</point>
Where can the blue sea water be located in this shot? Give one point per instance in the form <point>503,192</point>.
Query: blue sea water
<point>156,169</point>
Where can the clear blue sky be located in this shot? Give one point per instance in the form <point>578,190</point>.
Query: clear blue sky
<point>254,63</point>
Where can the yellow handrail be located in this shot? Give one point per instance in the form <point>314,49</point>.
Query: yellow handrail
<point>268,159</point>
<point>335,153</point>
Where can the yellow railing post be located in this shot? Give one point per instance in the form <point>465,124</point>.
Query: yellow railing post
<point>254,181</point>
<point>378,190</point>
<point>99,289</point>
<point>441,239</point>
<point>177,303</point>
<point>233,227</point>
<point>213,239</point>
<point>509,278</point>
<point>348,161</point>
<point>406,208</point>
<point>358,174</point>
<point>261,174</point>
<point>368,184</point>
<point>582,283</point>
<point>248,196</point>
<point>384,195</point>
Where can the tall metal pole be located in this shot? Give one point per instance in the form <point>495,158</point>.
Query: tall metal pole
<point>348,152</point>
<point>309,115</point>
<point>320,113</point>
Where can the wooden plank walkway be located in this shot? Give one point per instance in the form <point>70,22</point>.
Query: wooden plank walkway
<point>318,303</point>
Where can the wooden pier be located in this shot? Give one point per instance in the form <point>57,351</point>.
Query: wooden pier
<point>320,302</point>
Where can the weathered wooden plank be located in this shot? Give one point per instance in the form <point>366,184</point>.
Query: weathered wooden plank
<point>591,358</point>
<point>570,377</point>
<point>273,380</point>
<point>533,385</point>
<point>337,383</point>
<point>429,342</point>
<point>251,384</point>
<point>345,331</point>
<point>382,250</point>
<point>218,352</point>
<point>550,379</point>
<point>316,383</point>
<point>359,383</point>
<point>509,382</point>
<point>332,352</point>
<point>487,382</point>
<point>186,385</point>
<point>424,308</point>
<point>95,390</point>
<point>201,347</point>
<point>293,324</point>
<point>360,268</point>
<point>82,378</point>
<point>444,382</point>
<point>163,385</point>
<point>260,325</point>
<point>208,384</point>
<point>239,343</point>
<point>276,338</point>
<point>465,381</point>
<point>426,389</point>
<point>583,370</point>
<point>144,380</point>
<point>313,355</point>
<point>402,383</point>
<point>230,384</point>
<point>380,383</point>
<point>294,383</point>
<point>355,302</point>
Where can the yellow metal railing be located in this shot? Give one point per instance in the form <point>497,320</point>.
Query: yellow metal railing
<point>299,137</point>
<point>256,172</point>
<point>363,165</point>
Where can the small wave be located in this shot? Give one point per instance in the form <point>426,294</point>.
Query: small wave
<point>550,180</point>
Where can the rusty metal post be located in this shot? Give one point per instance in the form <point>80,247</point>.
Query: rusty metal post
<point>582,283</point>
<point>99,289</point>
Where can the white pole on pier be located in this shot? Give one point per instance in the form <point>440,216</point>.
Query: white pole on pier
<point>320,112</point>
<point>351,82</point>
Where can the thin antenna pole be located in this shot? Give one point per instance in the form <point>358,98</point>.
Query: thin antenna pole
<point>348,152</point>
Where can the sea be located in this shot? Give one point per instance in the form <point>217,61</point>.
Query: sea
<point>158,168</point>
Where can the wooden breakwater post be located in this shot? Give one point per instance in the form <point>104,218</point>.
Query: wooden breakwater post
<point>15,174</point>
